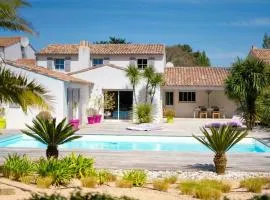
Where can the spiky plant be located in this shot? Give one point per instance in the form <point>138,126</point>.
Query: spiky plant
<point>148,74</point>
<point>220,140</point>
<point>51,134</point>
<point>10,18</point>
<point>133,74</point>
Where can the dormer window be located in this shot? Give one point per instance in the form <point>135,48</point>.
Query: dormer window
<point>97,61</point>
<point>59,64</point>
<point>142,63</point>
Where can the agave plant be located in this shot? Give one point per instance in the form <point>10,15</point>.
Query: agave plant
<point>51,134</point>
<point>220,140</point>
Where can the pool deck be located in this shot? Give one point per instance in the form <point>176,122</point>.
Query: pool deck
<point>252,162</point>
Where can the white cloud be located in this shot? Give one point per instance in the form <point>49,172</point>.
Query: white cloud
<point>251,22</point>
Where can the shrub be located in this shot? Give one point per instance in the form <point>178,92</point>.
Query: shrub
<point>28,179</point>
<point>254,184</point>
<point>16,166</point>
<point>60,172</point>
<point>124,183</point>
<point>219,185</point>
<point>137,177</point>
<point>171,179</point>
<point>78,196</point>
<point>161,185</point>
<point>207,193</point>
<point>263,197</point>
<point>7,191</point>
<point>79,165</point>
<point>144,113</point>
<point>89,182</point>
<point>44,182</point>
<point>170,113</point>
<point>105,176</point>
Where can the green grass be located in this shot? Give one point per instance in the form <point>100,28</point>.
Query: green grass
<point>44,182</point>
<point>137,177</point>
<point>89,182</point>
<point>254,184</point>
<point>28,179</point>
<point>161,185</point>
<point>171,179</point>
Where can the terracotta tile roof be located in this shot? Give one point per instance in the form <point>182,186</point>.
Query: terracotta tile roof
<point>25,61</point>
<point>263,54</point>
<point>46,72</point>
<point>96,67</point>
<point>195,76</point>
<point>105,49</point>
<point>7,41</point>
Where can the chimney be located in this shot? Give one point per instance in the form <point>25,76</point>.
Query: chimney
<point>84,54</point>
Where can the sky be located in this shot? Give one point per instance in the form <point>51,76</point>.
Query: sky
<point>225,29</point>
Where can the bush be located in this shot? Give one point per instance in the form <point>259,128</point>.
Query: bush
<point>105,176</point>
<point>207,193</point>
<point>78,196</point>
<point>254,184</point>
<point>144,113</point>
<point>60,172</point>
<point>16,167</point>
<point>89,182</point>
<point>44,182</point>
<point>124,183</point>
<point>170,113</point>
<point>263,105</point>
<point>137,177</point>
<point>79,165</point>
<point>171,179</point>
<point>161,185</point>
<point>28,179</point>
<point>263,197</point>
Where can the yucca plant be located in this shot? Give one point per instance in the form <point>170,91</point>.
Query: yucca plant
<point>51,134</point>
<point>220,140</point>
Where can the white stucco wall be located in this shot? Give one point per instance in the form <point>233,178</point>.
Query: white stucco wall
<point>216,98</point>
<point>30,52</point>
<point>16,118</point>
<point>13,52</point>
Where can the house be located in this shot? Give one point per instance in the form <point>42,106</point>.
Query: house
<point>187,89</point>
<point>13,48</point>
<point>104,65</point>
<point>262,54</point>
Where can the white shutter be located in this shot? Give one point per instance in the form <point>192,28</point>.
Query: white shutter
<point>151,62</point>
<point>67,64</point>
<point>132,61</point>
<point>49,63</point>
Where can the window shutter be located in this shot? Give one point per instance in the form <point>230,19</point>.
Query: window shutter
<point>132,61</point>
<point>106,60</point>
<point>67,64</point>
<point>49,63</point>
<point>151,62</point>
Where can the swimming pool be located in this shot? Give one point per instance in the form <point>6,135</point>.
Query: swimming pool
<point>134,143</point>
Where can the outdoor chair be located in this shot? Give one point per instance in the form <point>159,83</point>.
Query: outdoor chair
<point>203,112</point>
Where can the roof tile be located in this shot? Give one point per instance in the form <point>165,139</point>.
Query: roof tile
<point>7,41</point>
<point>263,54</point>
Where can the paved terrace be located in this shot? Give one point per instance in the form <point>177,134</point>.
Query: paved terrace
<point>162,160</point>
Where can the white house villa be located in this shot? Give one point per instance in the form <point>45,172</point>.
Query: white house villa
<point>79,74</point>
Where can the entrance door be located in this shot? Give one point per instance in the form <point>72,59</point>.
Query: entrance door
<point>123,102</point>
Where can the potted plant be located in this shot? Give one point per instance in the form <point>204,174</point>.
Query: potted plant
<point>75,122</point>
<point>98,105</point>
<point>90,116</point>
<point>169,114</point>
<point>2,118</point>
<point>109,103</point>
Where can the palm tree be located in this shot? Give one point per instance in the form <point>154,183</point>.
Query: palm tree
<point>156,81</point>
<point>246,82</point>
<point>51,134</point>
<point>220,140</point>
<point>148,74</point>
<point>133,74</point>
<point>10,18</point>
<point>18,90</point>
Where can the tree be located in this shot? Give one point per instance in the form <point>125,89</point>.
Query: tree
<point>266,41</point>
<point>202,59</point>
<point>220,140</point>
<point>10,18</point>
<point>18,90</point>
<point>51,134</point>
<point>133,74</point>
<point>156,81</point>
<point>148,74</point>
<point>245,84</point>
<point>113,40</point>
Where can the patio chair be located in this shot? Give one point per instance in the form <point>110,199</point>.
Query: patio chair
<point>215,112</point>
<point>203,112</point>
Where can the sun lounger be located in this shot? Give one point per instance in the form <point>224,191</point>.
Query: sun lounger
<point>145,127</point>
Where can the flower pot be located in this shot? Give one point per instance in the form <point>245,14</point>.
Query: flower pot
<point>2,123</point>
<point>97,118</point>
<point>91,120</point>
<point>75,123</point>
<point>170,120</point>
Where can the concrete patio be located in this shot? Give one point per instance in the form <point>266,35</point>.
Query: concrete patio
<point>253,162</point>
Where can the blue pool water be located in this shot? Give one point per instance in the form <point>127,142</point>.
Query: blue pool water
<point>134,143</point>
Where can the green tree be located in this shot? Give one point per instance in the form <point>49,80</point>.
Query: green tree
<point>51,134</point>
<point>133,74</point>
<point>113,40</point>
<point>266,41</point>
<point>10,18</point>
<point>245,84</point>
<point>220,140</point>
<point>155,81</point>
<point>148,74</point>
<point>202,59</point>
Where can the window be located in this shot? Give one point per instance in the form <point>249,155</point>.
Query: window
<point>59,64</point>
<point>187,96</point>
<point>23,52</point>
<point>168,98</point>
<point>97,61</point>
<point>142,63</point>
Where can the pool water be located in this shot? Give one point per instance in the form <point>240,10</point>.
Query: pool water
<point>134,143</point>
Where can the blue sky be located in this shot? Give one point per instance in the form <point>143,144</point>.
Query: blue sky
<point>225,29</point>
